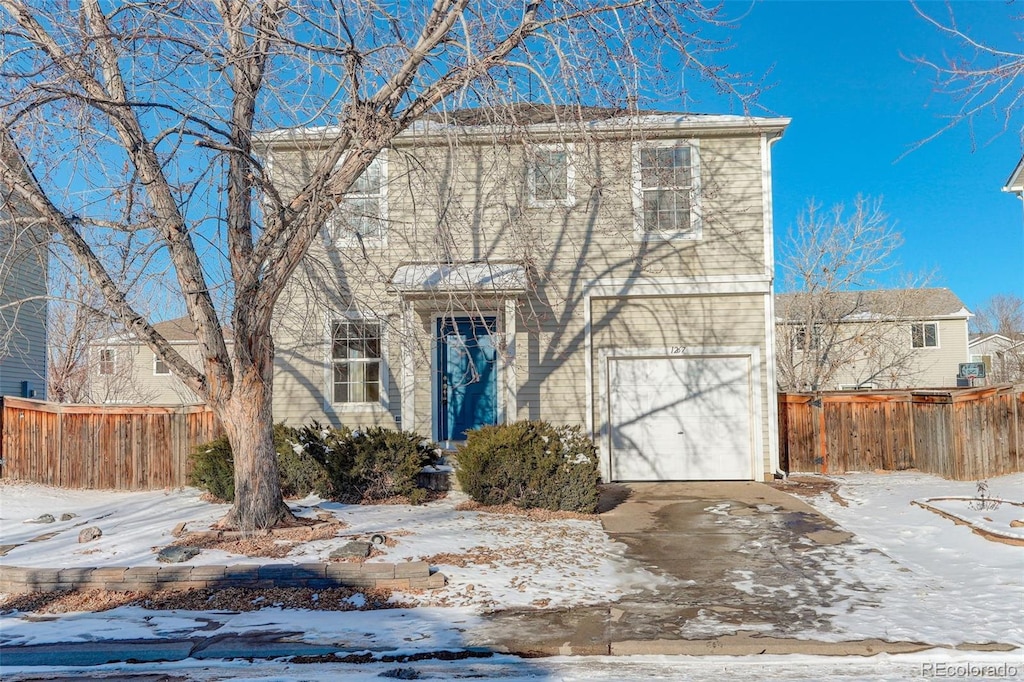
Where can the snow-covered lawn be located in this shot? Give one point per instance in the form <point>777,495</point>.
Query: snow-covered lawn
<point>490,559</point>
<point>937,581</point>
<point>919,577</point>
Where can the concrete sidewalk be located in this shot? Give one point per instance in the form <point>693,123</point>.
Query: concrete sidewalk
<point>704,540</point>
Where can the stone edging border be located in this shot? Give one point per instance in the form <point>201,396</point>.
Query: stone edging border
<point>410,575</point>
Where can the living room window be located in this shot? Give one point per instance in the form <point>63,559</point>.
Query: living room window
<point>550,176</point>
<point>356,361</point>
<point>924,334</point>
<point>361,215</point>
<point>666,178</point>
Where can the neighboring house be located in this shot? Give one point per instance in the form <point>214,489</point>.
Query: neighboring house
<point>122,370</point>
<point>610,272</point>
<point>1002,356</point>
<point>1016,182</point>
<point>23,270</point>
<point>872,339</point>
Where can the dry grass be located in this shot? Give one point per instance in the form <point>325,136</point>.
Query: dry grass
<point>228,599</point>
<point>274,544</point>
<point>811,486</point>
<point>532,514</point>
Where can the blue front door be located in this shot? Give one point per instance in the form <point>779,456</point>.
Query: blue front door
<point>467,387</point>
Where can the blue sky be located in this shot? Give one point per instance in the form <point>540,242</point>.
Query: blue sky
<point>839,70</point>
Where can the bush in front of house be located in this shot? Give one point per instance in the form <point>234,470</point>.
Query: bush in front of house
<point>530,464</point>
<point>338,464</point>
<point>213,469</point>
<point>374,464</point>
<point>213,466</point>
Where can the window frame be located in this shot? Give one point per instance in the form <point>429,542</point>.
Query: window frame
<point>695,233</point>
<point>533,151</point>
<point>157,361</point>
<point>331,226</point>
<point>330,362</point>
<point>109,364</point>
<point>914,326</point>
<point>800,331</point>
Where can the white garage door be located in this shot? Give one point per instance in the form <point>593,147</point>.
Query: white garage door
<point>680,418</point>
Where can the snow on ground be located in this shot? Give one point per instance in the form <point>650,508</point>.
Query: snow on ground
<point>881,668</point>
<point>999,518</point>
<point>563,561</point>
<point>933,580</point>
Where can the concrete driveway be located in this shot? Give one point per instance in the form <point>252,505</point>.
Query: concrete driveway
<point>704,543</point>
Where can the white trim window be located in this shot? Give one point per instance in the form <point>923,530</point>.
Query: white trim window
<point>108,362</point>
<point>666,190</point>
<point>356,366</point>
<point>160,368</point>
<point>550,176</point>
<point>361,215</point>
<point>924,334</point>
<point>804,341</point>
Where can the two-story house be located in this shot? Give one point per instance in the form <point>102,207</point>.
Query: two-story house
<point>589,268</point>
<point>24,258</point>
<point>122,370</point>
<point>871,339</point>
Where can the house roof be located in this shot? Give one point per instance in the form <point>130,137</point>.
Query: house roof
<point>918,304</point>
<point>548,119</point>
<point>974,339</point>
<point>1016,181</point>
<point>178,329</point>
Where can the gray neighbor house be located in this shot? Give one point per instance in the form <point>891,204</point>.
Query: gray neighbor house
<point>583,266</point>
<point>23,271</point>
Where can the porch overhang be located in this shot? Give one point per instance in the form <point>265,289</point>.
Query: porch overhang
<point>424,279</point>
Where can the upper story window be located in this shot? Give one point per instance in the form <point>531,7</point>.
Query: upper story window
<point>806,339</point>
<point>666,183</point>
<point>924,334</point>
<point>160,367</point>
<point>107,361</point>
<point>361,215</point>
<point>550,176</point>
<point>356,361</point>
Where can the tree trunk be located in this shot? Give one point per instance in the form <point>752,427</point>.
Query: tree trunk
<point>247,418</point>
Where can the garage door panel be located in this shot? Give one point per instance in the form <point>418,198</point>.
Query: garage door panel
<point>680,418</point>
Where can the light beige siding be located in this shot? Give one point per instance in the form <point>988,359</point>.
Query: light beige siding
<point>467,202</point>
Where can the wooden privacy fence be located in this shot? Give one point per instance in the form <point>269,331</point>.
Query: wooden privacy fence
<point>964,434</point>
<point>120,447</point>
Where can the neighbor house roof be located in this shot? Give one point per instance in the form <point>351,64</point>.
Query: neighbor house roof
<point>918,304</point>
<point>1016,181</point>
<point>178,330</point>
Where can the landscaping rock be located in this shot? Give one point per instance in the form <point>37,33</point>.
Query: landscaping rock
<point>89,534</point>
<point>44,518</point>
<point>67,516</point>
<point>176,555</point>
<point>356,549</point>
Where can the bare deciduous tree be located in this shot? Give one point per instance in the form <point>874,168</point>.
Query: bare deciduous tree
<point>981,77</point>
<point>1001,314</point>
<point>832,324</point>
<point>138,124</point>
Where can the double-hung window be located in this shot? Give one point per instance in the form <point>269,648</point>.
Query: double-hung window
<point>160,367</point>
<point>805,338</point>
<point>107,360</point>
<point>356,361</point>
<point>924,334</point>
<point>550,176</point>
<point>361,214</point>
<point>666,181</point>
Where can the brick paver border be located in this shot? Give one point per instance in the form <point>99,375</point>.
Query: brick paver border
<point>414,575</point>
